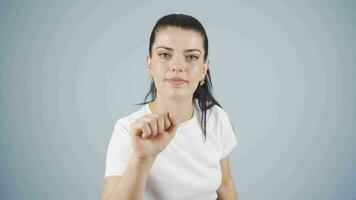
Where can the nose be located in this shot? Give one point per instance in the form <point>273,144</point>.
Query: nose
<point>176,65</point>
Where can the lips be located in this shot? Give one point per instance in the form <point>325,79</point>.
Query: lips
<point>176,81</point>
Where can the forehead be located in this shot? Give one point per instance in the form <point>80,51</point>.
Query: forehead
<point>178,38</point>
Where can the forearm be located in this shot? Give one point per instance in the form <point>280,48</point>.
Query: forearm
<point>227,192</point>
<point>133,181</point>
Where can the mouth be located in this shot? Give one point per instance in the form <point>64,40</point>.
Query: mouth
<point>176,81</point>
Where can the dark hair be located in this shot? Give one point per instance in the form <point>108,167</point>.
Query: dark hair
<point>203,93</point>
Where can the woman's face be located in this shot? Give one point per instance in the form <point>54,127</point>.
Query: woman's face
<point>177,54</point>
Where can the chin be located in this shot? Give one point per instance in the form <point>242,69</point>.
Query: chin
<point>176,94</point>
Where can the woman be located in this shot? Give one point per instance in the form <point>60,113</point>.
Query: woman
<point>177,145</point>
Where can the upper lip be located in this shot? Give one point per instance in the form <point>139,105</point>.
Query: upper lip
<point>176,79</point>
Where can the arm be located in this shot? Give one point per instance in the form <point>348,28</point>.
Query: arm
<point>131,184</point>
<point>227,190</point>
<point>150,135</point>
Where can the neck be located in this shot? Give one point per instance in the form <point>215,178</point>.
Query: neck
<point>180,110</point>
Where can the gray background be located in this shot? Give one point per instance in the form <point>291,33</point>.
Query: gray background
<point>283,70</point>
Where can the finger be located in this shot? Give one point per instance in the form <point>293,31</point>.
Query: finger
<point>171,119</point>
<point>137,129</point>
<point>173,126</point>
<point>154,125</point>
<point>146,130</point>
<point>160,121</point>
<point>167,122</point>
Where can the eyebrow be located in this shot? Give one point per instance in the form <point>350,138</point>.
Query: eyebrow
<point>170,49</point>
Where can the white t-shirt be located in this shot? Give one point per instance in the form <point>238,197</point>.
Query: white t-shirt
<point>189,167</point>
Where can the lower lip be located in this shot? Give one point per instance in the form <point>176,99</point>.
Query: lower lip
<point>176,82</point>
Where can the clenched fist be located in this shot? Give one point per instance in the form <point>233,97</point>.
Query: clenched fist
<point>151,134</point>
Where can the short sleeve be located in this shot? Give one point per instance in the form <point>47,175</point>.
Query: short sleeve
<point>229,138</point>
<point>119,150</point>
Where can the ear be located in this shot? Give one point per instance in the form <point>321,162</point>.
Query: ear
<point>205,69</point>
<point>149,65</point>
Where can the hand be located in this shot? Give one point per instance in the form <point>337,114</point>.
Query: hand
<point>151,134</point>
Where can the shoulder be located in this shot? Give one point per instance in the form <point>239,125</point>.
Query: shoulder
<point>217,113</point>
<point>219,121</point>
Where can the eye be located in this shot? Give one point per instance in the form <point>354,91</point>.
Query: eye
<point>164,55</point>
<point>192,57</point>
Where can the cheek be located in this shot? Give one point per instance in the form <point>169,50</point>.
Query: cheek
<point>195,73</point>
<point>160,70</point>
